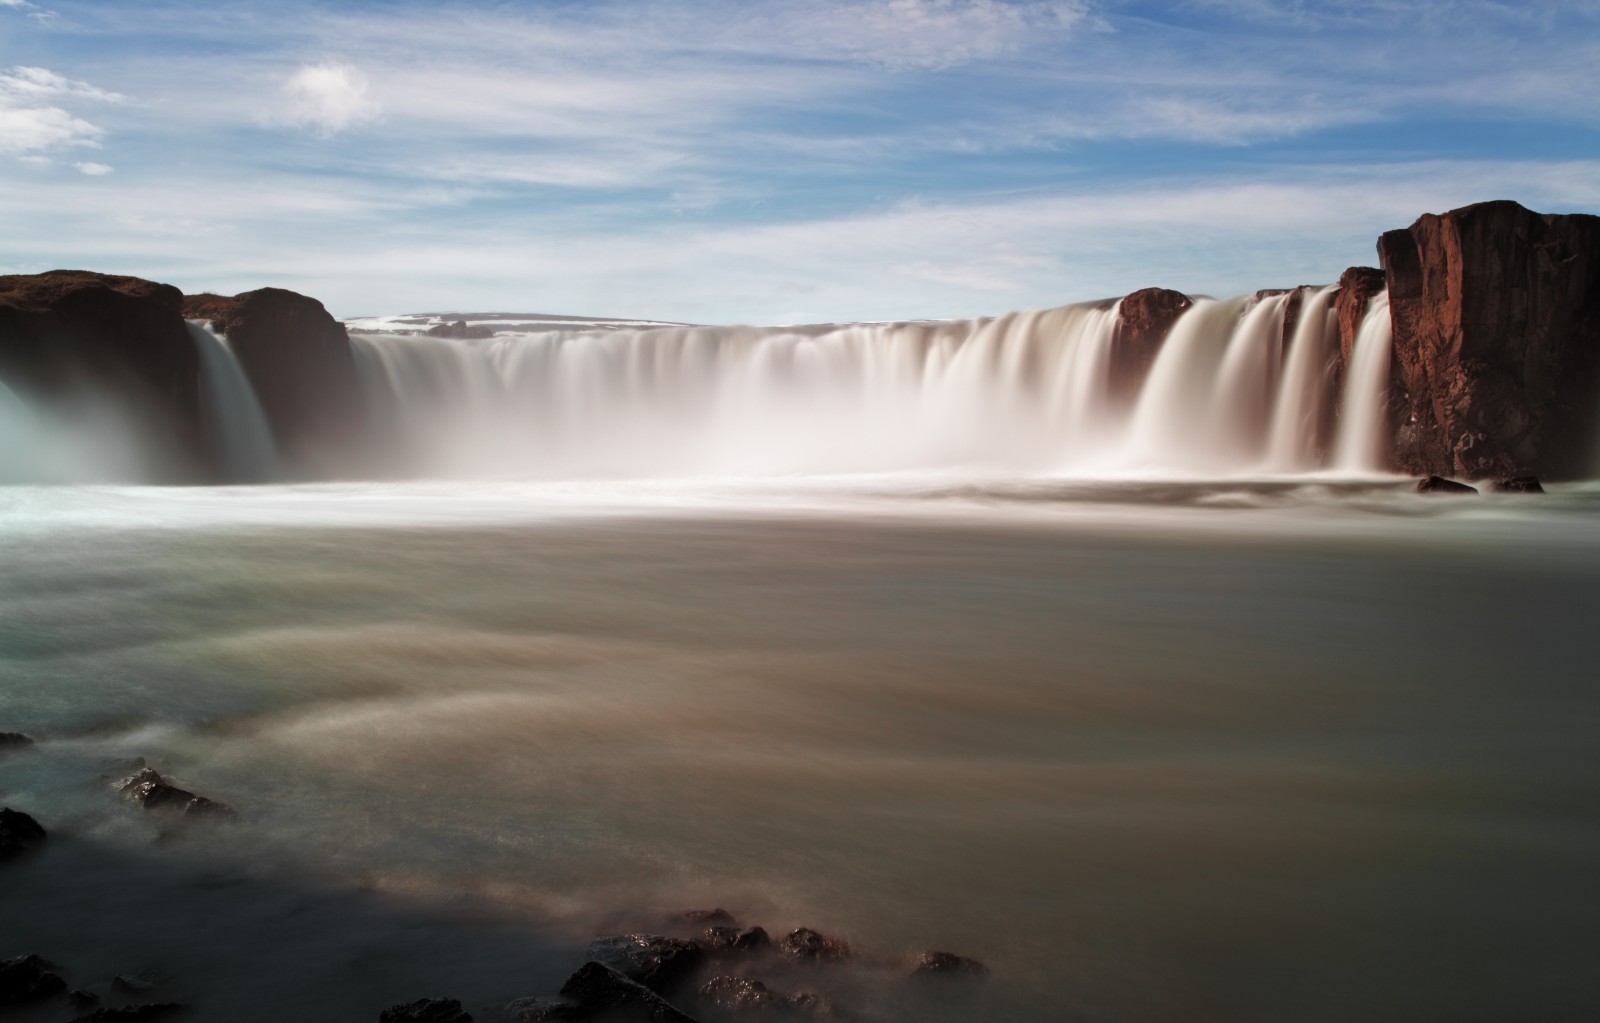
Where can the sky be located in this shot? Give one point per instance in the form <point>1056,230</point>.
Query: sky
<point>773,161</point>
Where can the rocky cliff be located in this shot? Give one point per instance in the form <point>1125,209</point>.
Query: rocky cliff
<point>1496,313</point>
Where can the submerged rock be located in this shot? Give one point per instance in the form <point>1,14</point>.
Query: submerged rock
<point>599,989</point>
<point>426,1010</point>
<point>933,963</point>
<point>29,978</point>
<point>14,740</point>
<point>1517,485</point>
<point>135,1013</point>
<point>731,939</point>
<point>711,917</point>
<point>806,945</point>
<point>18,833</point>
<point>151,791</point>
<point>547,1010</point>
<point>1440,485</point>
<point>737,994</point>
<point>659,963</point>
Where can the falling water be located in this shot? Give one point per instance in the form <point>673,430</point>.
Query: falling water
<point>1291,444</point>
<point>1362,439</point>
<point>240,441</point>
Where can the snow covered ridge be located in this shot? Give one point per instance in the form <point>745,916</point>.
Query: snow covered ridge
<point>489,324</point>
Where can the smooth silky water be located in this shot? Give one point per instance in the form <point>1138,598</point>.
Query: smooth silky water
<point>1167,706</point>
<point>1271,750</point>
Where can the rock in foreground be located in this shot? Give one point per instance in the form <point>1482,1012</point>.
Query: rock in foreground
<point>28,979</point>
<point>18,833</point>
<point>426,1010</point>
<point>601,990</point>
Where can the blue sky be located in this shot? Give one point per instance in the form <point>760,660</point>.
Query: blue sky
<point>773,161</point>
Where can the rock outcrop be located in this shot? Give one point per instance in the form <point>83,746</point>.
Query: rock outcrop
<point>1143,321</point>
<point>1496,313</point>
<point>70,336</point>
<point>18,833</point>
<point>299,360</point>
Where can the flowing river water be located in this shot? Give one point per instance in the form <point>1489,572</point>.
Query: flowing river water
<point>1288,749</point>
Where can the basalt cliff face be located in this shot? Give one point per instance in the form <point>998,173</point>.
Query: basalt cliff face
<point>1496,314</point>
<point>299,360</point>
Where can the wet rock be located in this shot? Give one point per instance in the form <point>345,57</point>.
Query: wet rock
<point>303,369</point>
<point>806,945</point>
<point>141,983</point>
<point>1517,485</point>
<point>1357,285</point>
<point>1440,485</point>
<point>1143,321</point>
<point>731,939</point>
<point>18,833</point>
<point>711,918</point>
<point>426,1010</point>
<point>1496,310</point>
<point>82,1000</point>
<point>599,989</point>
<point>13,741</point>
<point>68,333</point>
<point>150,790</point>
<point>659,963</point>
<point>29,978</point>
<point>737,994</point>
<point>547,1010</point>
<point>933,963</point>
<point>808,1003</point>
<point>135,1013</point>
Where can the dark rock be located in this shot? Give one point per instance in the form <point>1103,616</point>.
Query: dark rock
<point>426,1010</point>
<point>461,329</point>
<point>70,333</point>
<point>14,740</point>
<point>659,963</point>
<point>1144,319</point>
<point>134,1013</point>
<point>731,939</point>
<point>150,790</point>
<point>18,833</point>
<point>141,983</point>
<point>1496,313</point>
<point>1517,485</point>
<point>299,360</point>
<point>547,1010</point>
<point>933,963</point>
<point>1357,285</point>
<point>600,989</point>
<point>808,1003</point>
<point>711,917</point>
<point>29,978</point>
<point>1440,485</point>
<point>807,945</point>
<point>82,999</point>
<point>738,994</point>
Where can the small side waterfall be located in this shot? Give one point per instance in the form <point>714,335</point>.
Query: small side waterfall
<point>1362,435</point>
<point>237,435</point>
<point>1291,443</point>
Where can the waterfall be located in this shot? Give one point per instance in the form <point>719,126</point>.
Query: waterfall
<point>1291,442</point>
<point>1362,434</point>
<point>238,438</point>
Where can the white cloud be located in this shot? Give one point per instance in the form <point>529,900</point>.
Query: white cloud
<point>327,98</point>
<point>32,119</point>
<point>94,170</point>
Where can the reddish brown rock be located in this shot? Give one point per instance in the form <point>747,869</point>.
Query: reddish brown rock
<point>1496,313</point>
<point>299,360</point>
<point>70,334</point>
<point>807,945</point>
<point>1143,321</point>
<point>1357,285</point>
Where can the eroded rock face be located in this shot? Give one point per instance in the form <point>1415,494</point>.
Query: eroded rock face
<point>1496,313</point>
<point>74,334</point>
<point>299,360</point>
<point>1143,321</point>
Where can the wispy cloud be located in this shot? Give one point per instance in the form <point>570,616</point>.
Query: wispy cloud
<point>32,117</point>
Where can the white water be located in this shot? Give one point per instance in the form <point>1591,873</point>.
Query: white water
<point>237,434</point>
<point>1361,426</point>
<point>1024,392</point>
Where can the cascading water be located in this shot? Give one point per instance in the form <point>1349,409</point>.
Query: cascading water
<point>237,435</point>
<point>1024,392</point>
<point>1362,439</point>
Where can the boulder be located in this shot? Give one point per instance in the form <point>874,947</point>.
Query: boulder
<point>1440,485</point>
<point>731,939</point>
<point>806,945</point>
<point>1496,313</point>
<point>72,335</point>
<point>933,963</point>
<point>150,790</point>
<point>738,994</point>
<point>29,978</point>
<point>426,1010</point>
<point>299,360</point>
<point>1144,319</point>
<point>658,962</point>
<point>601,990</point>
<point>18,833</point>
